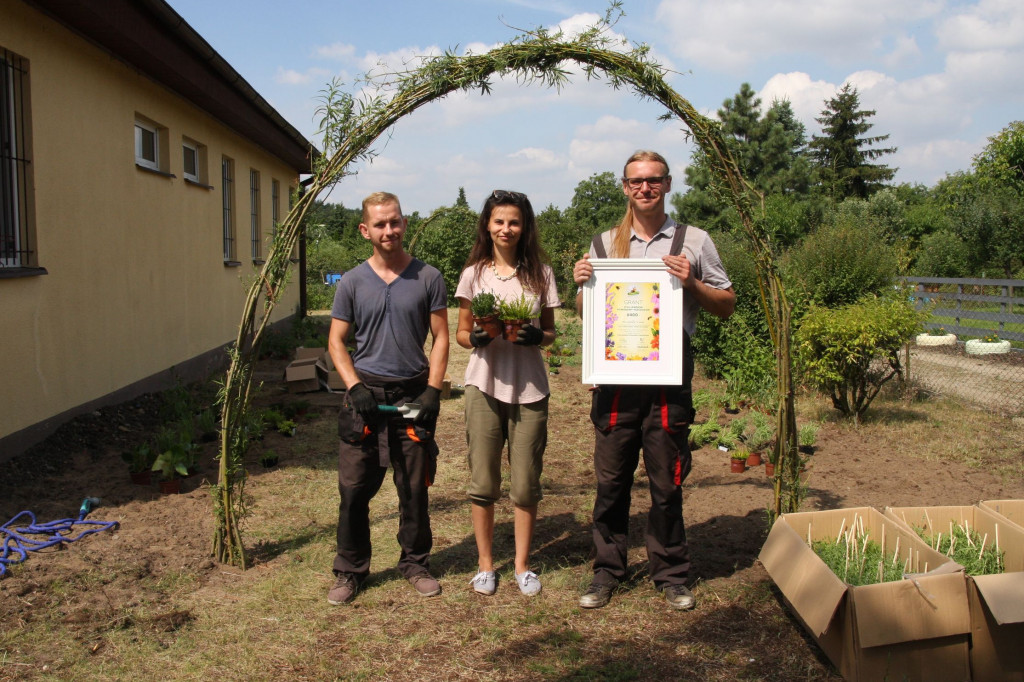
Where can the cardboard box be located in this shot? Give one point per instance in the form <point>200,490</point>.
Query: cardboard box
<point>996,601</point>
<point>300,376</point>
<point>913,629</point>
<point>304,353</point>
<point>1011,510</point>
<point>327,374</point>
<point>446,386</point>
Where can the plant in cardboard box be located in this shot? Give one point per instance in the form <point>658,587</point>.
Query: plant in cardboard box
<point>964,545</point>
<point>856,559</point>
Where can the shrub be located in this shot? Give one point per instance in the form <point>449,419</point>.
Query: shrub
<point>851,352</point>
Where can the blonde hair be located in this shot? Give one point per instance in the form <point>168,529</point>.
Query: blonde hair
<point>620,238</point>
<point>379,199</point>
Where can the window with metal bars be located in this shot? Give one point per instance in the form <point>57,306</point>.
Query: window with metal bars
<point>16,238</point>
<point>255,233</point>
<point>227,176</point>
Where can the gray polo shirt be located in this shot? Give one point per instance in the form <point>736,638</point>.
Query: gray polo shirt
<point>699,250</point>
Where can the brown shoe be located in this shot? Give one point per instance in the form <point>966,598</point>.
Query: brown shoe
<point>426,585</point>
<point>678,597</point>
<point>597,595</point>
<point>344,590</point>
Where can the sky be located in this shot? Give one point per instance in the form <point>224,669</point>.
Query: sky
<point>942,76</point>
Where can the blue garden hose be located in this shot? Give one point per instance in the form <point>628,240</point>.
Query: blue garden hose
<point>15,543</point>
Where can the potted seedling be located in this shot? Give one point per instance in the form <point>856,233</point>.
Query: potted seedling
<point>286,427</point>
<point>484,308</point>
<point>738,460</point>
<point>206,425</point>
<point>806,436</point>
<point>173,466</point>
<point>140,459</point>
<point>515,313</point>
<point>268,459</point>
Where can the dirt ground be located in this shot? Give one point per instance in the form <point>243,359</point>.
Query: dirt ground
<point>163,535</point>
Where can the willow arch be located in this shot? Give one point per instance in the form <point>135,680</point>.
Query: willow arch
<point>349,130</point>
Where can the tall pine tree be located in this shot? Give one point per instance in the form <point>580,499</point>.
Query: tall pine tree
<point>843,153</point>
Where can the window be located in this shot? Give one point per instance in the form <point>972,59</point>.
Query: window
<point>275,206</point>
<point>190,161</point>
<point>227,177</point>
<point>255,234</point>
<point>147,145</point>
<point>193,162</point>
<point>15,205</point>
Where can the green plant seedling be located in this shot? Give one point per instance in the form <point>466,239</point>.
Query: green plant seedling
<point>520,308</point>
<point>483,305</point>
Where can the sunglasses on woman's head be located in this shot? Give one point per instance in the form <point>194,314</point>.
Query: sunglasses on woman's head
<point>505,195</point>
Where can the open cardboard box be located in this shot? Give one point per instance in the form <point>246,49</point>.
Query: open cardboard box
<point>328,375</point>
<point>300,376</point>
<point>1011,510</point>
<point>913,629</point>
<point>996,601</point>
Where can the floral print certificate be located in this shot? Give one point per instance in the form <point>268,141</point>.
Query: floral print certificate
<point>632,321</point>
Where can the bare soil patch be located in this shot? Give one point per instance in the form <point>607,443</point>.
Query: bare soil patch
<point>152,579</point>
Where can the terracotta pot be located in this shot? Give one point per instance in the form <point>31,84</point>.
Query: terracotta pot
<point>737,466</point>
<point>769,469</point>
<point>170,486</point>
<point>754,459</point>
<point>491,324</point>
<point>512,328</point>
<point>141,477</point>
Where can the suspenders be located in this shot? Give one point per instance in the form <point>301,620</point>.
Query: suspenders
<point>675,249</point>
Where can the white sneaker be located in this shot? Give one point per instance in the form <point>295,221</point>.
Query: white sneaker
<point>529,583</point>
<point>485,582</point>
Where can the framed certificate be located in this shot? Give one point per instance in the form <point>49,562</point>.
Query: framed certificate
<point>632,323</point>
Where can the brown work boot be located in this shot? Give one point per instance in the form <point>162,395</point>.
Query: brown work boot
<point>344,589</point>
<point>425,584</point>
<point>678,597</point>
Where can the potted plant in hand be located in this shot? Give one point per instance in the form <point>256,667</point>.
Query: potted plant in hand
<point>515,313</point>
<point>173,466</point>
<point>139,460</point>
<point>484,308</point>
<point>738,460</point>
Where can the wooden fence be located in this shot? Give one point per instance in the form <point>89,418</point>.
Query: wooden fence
<point>999,301</point>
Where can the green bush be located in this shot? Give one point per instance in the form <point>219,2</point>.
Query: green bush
<point>841,263</point>
<point>850,352</point>
<point>942,254</point>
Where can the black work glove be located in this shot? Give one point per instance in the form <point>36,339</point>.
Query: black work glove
<point>478,338</point>
<point>362,399</point>
<point>430,406</point>
<point>529,336</point>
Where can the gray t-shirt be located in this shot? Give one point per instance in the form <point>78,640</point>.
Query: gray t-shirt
<point>699,250</point>
<point>391,320</point>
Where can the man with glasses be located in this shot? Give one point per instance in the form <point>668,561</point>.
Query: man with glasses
<point>392,301</point>
<point>654,418</point>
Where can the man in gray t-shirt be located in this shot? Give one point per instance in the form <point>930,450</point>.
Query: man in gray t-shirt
<point>392,301</point>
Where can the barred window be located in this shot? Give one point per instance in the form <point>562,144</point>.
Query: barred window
<point>16,247</point>
<point>227,178</point>
<point>255,232</point>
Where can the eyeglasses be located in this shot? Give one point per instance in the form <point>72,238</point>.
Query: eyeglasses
<point>652,182</point>
<point>505,195</point>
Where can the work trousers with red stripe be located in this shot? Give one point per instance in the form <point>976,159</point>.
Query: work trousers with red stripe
<point>655,419</point>
<point>365,454</point>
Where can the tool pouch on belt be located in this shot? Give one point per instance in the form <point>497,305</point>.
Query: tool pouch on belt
<point>351,426</point>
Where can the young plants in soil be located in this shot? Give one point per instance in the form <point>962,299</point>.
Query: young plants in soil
<point>516,309</point>
<point>978,555</point>
<point>483,305</point>
<point>858,560</point>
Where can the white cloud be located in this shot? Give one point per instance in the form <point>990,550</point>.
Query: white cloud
<point>987,25</point>
<point>730,34</point>
<point>335,51</point>
<point>285,76</point>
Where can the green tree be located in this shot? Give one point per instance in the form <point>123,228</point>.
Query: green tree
<point>842,154</point>
<point>598,203</point>
<point>770,151</point>
<point>460,201</point>
<point>444,240</point>
<point>1002,160</point>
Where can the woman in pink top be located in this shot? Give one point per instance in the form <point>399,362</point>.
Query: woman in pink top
<point>506,382</point>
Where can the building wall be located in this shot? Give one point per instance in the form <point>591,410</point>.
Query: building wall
<point>136,279</point>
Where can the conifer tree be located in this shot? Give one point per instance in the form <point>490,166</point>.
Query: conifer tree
<point>842,154</point>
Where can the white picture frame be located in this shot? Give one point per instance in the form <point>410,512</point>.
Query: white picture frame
<point>649,335</point>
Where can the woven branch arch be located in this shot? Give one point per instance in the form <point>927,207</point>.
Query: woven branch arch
<point>350,129</point>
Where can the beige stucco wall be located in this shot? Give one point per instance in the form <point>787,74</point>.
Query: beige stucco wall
<point>137,281</point>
